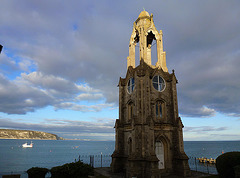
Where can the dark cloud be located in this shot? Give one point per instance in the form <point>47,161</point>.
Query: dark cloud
<point>88,42</point>
<point>34,91</point>
<point>19,99</point>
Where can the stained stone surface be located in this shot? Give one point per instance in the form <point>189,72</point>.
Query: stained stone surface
<point>149,139</point>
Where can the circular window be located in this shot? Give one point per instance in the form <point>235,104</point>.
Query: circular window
<point>130,86</point>
<point>158,83</point>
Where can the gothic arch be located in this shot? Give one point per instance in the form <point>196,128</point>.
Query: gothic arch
<point>130,146</point>
<point>163,138</point>
<point>130,110</point>
<point>159,109</point>
<point>154,31</point>
<point>166,145</point>
<point>160,99</point>
<point>130,102</point>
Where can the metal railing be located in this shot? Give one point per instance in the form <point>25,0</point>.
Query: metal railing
<point>105,161</point>
<point>96,160</point>
<point>195,165</point>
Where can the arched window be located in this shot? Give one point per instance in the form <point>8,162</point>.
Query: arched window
<point>130,86</point>
<point>130,146</point>
<point>130,111</point>
<point>159,109</point>
<point>159,151</point>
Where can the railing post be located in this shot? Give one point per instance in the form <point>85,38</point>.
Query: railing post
<point>196,163</point>
<point>101,159</point>
<point>92,160</point>
<point>207,168</point>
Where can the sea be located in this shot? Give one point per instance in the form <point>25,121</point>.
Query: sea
<point>14,159</point>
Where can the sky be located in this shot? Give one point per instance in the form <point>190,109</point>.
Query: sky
<point>62,60</point>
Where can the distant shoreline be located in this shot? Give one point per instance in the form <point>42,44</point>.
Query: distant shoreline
<point>64,139</point>
<point>25,139</point>
<point>27,134</point>
<point>87,140</point>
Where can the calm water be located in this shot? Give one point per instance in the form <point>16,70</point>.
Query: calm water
<point>50,153</point>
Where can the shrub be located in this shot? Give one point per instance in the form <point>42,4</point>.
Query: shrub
<point>72,170</point>
<point>226,162</point>
<point>37,172</point>
<point>237,171</point>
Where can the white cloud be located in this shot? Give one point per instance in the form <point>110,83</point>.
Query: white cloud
<point>55,83</point>
<point>86,45</point>
<point>205,111</point>
<point>38,90</point>
<point>89,96</point>
<point>204,129</point>
<point>82,108</point>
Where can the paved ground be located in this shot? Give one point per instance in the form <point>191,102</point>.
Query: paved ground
<point>106,171</point>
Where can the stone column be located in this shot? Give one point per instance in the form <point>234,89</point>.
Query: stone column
<point>149,51</point>
<point>131,57</point>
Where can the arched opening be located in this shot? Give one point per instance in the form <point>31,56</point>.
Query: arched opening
<point>159,151</point>
<point>130,85</point>
<point>130,111</point>
<point>130,146</point>
<point>137,49</point>
<point>159,110</point>
<point>152,48</point>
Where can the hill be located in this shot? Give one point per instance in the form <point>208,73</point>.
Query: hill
<point>27,134</point>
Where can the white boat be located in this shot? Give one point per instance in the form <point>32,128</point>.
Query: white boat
<point>25,145</point>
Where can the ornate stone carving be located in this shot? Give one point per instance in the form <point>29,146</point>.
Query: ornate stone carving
<point>156,134</point>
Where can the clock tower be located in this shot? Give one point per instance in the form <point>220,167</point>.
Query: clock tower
<point>149,138</point>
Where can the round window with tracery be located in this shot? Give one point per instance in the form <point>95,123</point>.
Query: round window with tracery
<point>158,83</point>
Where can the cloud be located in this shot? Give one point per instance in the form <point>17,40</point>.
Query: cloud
<point>82,108</point>
<point>88,96</point>
<point>49,82</point>
<point>37,90</point>
<point>194,110</point>
<point>203,129</point>
<point>66,128</point>
<point>213,85</point>
<point>19,99</point>
<point>88,43</point>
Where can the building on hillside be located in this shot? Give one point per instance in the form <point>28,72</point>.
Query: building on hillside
<point>149,137</point>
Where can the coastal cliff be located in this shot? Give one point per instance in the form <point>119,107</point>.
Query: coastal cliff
<point>27,134</point>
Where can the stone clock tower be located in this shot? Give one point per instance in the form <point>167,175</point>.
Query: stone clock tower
<point>149,139</point>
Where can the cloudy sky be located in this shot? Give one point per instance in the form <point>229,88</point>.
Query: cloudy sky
<point>61,62</point>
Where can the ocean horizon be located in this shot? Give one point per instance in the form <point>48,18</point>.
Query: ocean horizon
<point>50,153</point>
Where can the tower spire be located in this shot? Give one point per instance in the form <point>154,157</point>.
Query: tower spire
<point>144,32</point>
<point>149,137</point>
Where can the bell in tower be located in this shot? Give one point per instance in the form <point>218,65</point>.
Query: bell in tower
<point>144,32</point>
<point>149,138</point>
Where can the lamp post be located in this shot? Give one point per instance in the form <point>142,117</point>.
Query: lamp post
<point>1,48</point>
